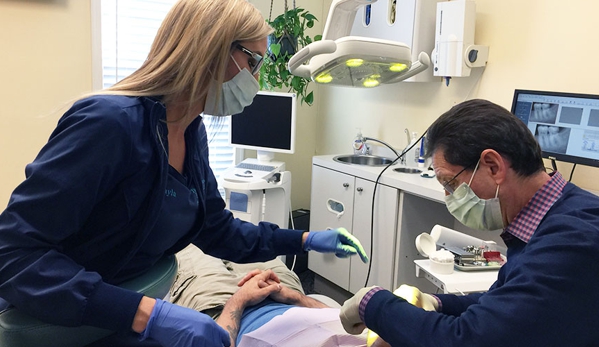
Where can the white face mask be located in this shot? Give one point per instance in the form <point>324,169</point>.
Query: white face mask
<point>236,94</point>
<point>472,211</point>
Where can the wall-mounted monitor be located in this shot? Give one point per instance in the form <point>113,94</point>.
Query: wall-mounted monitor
<point>566,125</point>
<point>267,125</point>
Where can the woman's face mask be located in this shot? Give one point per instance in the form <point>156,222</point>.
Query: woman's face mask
<point>472,211</point>
<point>236,94</point>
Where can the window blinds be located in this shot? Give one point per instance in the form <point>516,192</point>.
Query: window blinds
<point>128,28</point>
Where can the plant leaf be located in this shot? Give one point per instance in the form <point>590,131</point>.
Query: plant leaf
<point>309,98</point>
<point>274,73</point>
<point>275,49</point>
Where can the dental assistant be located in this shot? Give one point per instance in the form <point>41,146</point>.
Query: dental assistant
<point>545,295</point>
<point>124,180</point>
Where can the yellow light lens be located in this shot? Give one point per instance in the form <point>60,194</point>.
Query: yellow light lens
<point>371,82</point>
<point>354,62</point>
<point>324,78</point>
<point>397,67</point>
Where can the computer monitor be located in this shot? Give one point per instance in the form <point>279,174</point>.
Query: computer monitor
<point>566,125</point>
<point>267,125</point>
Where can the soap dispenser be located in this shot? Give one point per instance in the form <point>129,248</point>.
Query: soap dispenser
<point>414,152</point>
<point>359,143</point>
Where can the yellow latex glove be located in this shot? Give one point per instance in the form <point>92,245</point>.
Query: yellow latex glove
<point>415,297</point>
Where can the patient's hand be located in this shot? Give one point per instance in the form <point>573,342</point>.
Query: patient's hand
<point>254,290</point>
<point>257,288</point>
<point>285,295</point>
<point>292,297</point>
<point>272,277</point>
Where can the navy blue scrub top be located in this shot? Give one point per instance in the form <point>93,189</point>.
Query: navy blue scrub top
<point>177,216</point>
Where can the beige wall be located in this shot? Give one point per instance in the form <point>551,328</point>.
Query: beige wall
<point>45,61</point>
<point>534,44</point>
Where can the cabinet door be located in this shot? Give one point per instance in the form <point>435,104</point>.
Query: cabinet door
<point>331,206</point>
<point>382,239</point>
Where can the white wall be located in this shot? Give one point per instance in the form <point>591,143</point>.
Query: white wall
<point>534,44</point>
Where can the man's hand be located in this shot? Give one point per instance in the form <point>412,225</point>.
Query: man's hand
<point>249,275</point>
<point>254,290</point>
<point>417,298</point>
<point>258,288</point>
<point>289,296</point>
<point>350,312</point>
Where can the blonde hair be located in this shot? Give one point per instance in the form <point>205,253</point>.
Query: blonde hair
<point>192,48</point>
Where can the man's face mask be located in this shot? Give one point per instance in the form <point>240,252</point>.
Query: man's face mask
<point>472,211</point>
<point>236,94</point>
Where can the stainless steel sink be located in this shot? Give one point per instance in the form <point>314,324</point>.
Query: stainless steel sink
<point>408,170</point>
<point>360,159</point>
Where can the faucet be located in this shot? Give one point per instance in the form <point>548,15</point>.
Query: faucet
<point>365,139</point>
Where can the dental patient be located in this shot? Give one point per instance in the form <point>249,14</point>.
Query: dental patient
<point>259,304</point>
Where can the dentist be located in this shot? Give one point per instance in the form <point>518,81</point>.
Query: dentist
<point>124,180</point>
<point>491,168</point>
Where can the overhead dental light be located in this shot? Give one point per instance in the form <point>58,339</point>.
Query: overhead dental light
<point>339,59</point>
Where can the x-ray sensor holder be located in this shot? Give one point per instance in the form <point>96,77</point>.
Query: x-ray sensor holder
<point>455,53</point>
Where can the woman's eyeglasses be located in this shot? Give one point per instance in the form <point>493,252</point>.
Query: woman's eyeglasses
<point>256,60</point>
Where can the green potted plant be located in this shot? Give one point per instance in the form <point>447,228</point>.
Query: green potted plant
<point>289,36</point>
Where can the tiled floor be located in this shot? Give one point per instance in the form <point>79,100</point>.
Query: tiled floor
<point>307,279</point>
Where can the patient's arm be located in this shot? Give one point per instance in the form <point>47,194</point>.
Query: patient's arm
<point>254,291</point>
<point>293,297</point>
<point>286,295</point>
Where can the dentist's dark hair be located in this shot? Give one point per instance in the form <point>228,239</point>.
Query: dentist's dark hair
<point>470,127</point>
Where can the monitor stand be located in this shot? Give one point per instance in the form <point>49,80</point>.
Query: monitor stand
<point>260,195</point>
<point>259,199</point>
<point>265,156</point>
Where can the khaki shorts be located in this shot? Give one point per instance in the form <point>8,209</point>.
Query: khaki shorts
<point>205,283</point>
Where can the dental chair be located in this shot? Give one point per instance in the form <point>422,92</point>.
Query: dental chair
<point>20,330</point>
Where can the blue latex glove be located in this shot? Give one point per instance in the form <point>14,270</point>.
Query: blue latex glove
<point>338,241</point>
<point>174,325</point>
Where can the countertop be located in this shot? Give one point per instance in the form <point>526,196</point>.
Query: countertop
<point>415,184</point>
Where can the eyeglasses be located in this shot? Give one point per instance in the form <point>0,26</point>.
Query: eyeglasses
<point>449,186</point>
<point>256,62</point>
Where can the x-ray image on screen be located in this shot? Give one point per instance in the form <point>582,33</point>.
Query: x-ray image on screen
<point>553,138</point>
<point>590,141</point>
<point>566,125</point>
<point>544,112</point>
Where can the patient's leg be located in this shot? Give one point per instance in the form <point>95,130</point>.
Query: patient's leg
<point>287,277</point>
<point>203,282</point>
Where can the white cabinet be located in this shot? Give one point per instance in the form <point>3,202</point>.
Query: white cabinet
<point>342,200</point>
<point>405,206</point>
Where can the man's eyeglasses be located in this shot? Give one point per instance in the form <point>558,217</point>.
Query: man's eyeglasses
<point>450,186</point>
<point>256,60</point>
